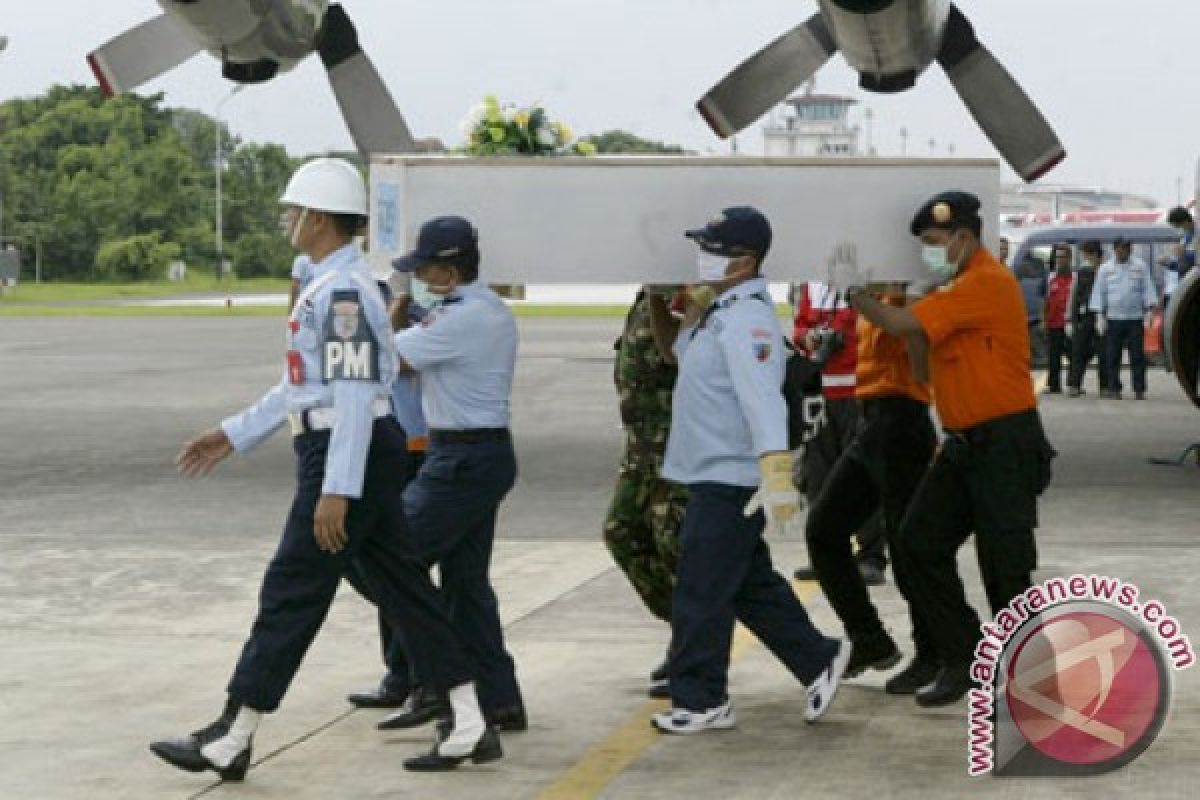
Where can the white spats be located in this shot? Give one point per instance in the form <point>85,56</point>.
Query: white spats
<point>469,724</point>
<point>223,751</point>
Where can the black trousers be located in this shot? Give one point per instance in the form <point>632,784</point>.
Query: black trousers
<point>820,456</point>
<point>1086,344</point>
<point>301,580</point>
<point>725,574</point>
<point>1126,335</point>
<point>400,677</point>
<point>1057,347</point>
<point>986,481</point>
<point>876,475</point>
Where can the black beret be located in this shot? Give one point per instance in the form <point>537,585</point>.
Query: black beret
<point>949,211</point>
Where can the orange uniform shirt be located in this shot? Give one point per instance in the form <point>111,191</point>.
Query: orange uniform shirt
<point>979,345</point>
<point>883,366</point>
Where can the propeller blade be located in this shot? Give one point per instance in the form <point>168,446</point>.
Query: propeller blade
<point>141,54</point>
<point>767,77</point>
<point>375,123</point>
<point>1005,113</point>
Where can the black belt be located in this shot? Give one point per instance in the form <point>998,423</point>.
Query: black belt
<point>469,436</point>
<point>982,434</point>
<point>873,408</point>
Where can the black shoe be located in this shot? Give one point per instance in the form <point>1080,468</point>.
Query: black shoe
<point>951,684</point>
<point>386,695</point>
<point>1139,396</point>
<point>872,574</point>
<point>805,573</point>
<point>486,749</point>
<point>421,706</point>
<point>876,652</point>
<point>185,754</point>
<point>916,675</point>
<point>661,672</point>
<point>510,719</point>
<point>659,690</point>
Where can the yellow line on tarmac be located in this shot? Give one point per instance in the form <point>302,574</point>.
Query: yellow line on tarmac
<point>607,759</point>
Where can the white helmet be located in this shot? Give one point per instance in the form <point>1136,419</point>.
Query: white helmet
<point>332,185</point>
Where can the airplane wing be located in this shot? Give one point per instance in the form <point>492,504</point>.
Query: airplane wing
<point>767,77</point>
<point>141,54</point>
<point>1183,334</point>
<point>998,103</point>
<point>375,123</point>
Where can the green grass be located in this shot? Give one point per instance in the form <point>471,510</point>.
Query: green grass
<point>138,311</point>
<point>32,293</point>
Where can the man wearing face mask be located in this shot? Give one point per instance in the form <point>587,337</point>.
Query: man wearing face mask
<point>972,338</point>
<point>729,445</point>
<point>334,394</point>
<point>465,353</point>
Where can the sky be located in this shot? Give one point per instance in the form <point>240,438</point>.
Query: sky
<point>1116,78</point>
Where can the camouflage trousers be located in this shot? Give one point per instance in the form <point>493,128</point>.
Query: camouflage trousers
<point>642,533</point>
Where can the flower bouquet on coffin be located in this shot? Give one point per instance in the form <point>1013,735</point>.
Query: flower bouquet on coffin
<point>495,130</point>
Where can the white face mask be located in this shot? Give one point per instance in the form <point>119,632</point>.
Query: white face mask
<point>419,291</point>
<point>294,239</point>
<point>711,268</point>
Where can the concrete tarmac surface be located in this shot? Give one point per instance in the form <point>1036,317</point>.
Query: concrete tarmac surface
<point>126,593</point>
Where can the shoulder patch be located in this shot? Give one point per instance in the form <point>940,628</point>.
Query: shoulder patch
<point>349,351</point>
<point>762,351</point>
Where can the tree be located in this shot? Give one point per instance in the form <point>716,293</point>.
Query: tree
<point>624,142</point>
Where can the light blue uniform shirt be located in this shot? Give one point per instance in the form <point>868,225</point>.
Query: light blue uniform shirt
<point>302,271</point>
<point>1124,291</point>
<point>728,407</point>
<point>340,356</point>
<point>465,352</point>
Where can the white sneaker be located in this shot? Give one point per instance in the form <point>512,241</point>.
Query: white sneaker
<point>822,690</point>
<point>681,720</point>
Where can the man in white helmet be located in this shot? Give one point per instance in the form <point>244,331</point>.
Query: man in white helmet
<point>335,391</point>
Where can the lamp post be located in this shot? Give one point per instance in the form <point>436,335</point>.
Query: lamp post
<point>219,166</point>
<point>3,44</point>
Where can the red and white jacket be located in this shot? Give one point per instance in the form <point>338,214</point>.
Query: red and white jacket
<point>819,306</point>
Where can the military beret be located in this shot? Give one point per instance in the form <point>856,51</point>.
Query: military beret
<point>948,210</point>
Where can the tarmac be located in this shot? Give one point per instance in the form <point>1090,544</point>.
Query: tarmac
<point>126,593</point>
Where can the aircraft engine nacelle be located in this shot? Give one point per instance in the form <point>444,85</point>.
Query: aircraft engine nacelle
<point>253,39</point>
<point>889,42</point>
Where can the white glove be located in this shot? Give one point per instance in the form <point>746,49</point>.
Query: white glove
<point>1069,330</point>
<point>400,282</point>
<point>1101,324</point>
<point>776,495</point>
<point>844,273</point>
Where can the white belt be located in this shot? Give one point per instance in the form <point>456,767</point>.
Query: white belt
<point>322,419</point>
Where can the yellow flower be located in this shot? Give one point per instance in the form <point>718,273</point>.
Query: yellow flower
<point>564,132</point>
<point>522,119</point>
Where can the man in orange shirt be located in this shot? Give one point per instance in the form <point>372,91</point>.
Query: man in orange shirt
<point>881,468</point>
<point>972,338</point>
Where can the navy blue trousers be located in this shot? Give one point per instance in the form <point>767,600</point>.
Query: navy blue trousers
<point>301,580</point>
<point>725,574</point>
<point>1125,334</point>
<point>451,508</point>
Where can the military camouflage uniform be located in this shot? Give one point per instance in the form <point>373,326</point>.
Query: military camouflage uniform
<point>642,527</point>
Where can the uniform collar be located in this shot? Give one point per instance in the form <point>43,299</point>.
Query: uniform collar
<point>745,289</point>
<point>344,256</point>
<point>465,290</point>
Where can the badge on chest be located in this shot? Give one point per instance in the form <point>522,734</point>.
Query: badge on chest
<point>349,351</point>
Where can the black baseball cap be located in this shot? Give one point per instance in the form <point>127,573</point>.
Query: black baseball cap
<point>737,231</point>
<point>445,240</point>
<point>949,211</point>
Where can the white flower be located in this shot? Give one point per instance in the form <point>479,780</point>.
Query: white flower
<point>546,138</point>
<point>474,119</point>
<point>510,114</point>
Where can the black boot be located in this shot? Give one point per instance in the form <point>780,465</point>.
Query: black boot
<point>871,652</point>
<point>389,694</point>
<point>921,672</point>
<point>421,706</point>
<point>485,750</point>
<point>952,683</point>
<point>185,754</point>
<point>510,719</point>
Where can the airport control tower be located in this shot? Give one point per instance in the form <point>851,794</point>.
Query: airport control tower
<point>812,125</point>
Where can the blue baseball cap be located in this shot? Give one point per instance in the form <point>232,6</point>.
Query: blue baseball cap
<point>442,240</point>
<point>737,231</point>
